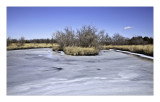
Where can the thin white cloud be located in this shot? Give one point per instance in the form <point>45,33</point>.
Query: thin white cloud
<point>128,27</point>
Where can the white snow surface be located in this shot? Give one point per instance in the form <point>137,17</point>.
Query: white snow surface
<point>45,72</point>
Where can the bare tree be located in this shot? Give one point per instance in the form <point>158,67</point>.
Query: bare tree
<point>21,41</point>
<point>69,37</point>
<point>52,39</point>
<point>118,39</point>
<point>8,41</point>
<point>101,37</point>
<point>60,37</point>
<point>108,39</point>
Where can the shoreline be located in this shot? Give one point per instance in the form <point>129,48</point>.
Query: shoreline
<point>122,51</point>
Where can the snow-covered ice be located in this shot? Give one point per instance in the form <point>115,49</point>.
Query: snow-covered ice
<point>45,72</point>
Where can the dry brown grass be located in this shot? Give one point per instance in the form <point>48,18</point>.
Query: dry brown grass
<point>81,51</point>
<point>143,49</point>
<point>14,46</point>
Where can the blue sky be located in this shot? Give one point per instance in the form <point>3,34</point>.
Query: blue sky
<point>41,22</point>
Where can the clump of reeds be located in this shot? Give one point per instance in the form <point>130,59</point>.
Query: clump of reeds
<point>80,51</point>
<point>143,49</point>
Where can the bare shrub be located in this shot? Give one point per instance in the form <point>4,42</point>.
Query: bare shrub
<point>87,37</point>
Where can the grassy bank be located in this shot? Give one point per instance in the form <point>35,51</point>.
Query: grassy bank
<point>142,49</point>
<point>14,46</point>
<point>81,51</point>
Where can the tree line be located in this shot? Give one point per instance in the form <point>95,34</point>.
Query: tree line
<point>22,40</point>
<point>86,36</point>
<point>89,36</point>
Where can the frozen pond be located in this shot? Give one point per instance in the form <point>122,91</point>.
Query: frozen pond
<point>44,72</point>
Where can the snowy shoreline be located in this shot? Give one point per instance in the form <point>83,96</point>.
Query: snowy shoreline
<point>137,54</point>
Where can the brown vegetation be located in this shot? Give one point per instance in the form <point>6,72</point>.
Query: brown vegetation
<point>143,49</point>
<point>81,51</point>
<point>14,46</point>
